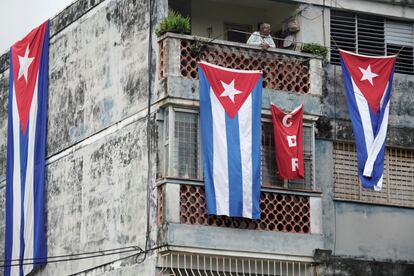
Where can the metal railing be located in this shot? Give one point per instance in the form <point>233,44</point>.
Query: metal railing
<point>180,264</point>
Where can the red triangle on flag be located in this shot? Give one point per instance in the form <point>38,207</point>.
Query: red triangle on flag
<point>370,75</point>
<point>26,55</point>
<point>231,87</point>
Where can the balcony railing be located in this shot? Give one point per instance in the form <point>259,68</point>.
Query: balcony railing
<point>280,211</point>
<point>284,70</point>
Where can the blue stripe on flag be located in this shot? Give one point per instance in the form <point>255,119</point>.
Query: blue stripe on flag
<point>356,120</point>
<point>24,141</point>
<point>206,120</point>
<point>234,167</point>
<point>9,177</point>
<point>256,143</point>
<point>40,249</point>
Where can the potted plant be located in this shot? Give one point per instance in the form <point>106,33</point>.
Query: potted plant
<point>175,23</point>
<point>314,48</point>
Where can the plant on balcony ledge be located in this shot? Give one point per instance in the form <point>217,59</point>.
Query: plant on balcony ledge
<point>314,48</point>
<point>175,23</point>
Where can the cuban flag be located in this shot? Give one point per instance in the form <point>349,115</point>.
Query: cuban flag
<point>368,84</point>
<point>25,234</point>
<point>230,111</point>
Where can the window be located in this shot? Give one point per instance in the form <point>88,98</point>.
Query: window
<point>179,154</point>
<point>182,150</point>
<point>186,147</point>
<point>398,183</point>
<point>269,168</point>
<point>373,35</point>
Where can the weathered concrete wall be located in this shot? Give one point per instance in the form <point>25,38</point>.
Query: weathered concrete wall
<point>125,267</point>
<point>329,265</point>
<point>96,173</point>
<point>324,176</point>
<point>374,232</point>
<point>97,74</point>
<point>97,194</point>
<point>313,18</point>
<point>255,242</point>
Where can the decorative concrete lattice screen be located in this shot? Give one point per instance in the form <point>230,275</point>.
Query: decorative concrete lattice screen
<point>188,264</point>
<point>280,72</point>
<point>398,185</point>
<point>161,59</point>
<point>280,212</point>
<point>160,204</point>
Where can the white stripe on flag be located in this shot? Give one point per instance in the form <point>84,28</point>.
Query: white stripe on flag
<point>378,186</point>
<point>220,165</point>
<point>245,130</point>
<point>15,255</point>
<point>379,141</point>
<point>29,185</point>
<point>365,116</point>
<point>383,95</point>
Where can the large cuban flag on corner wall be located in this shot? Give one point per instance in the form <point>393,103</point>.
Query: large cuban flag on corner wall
<point>25,242</point>
<point>368,85</point>
<point>230,111</point>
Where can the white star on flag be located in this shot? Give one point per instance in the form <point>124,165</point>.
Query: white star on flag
<point>367,74</point>
<point>24,64</point>
<point>229,90</point>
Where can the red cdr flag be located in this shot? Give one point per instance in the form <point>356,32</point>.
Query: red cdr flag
<point>287,129</point>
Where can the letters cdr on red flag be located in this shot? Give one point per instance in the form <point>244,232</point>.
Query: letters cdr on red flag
<point>288,131</point>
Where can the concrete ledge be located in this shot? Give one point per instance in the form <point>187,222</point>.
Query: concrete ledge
<point>253,241</point>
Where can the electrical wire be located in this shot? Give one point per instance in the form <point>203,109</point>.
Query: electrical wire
<point>79,256</point>
<point>71,257</point>
<point>149,142</point>
<point>117,260</point>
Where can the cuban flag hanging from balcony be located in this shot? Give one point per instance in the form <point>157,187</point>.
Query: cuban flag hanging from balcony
<point>25,244</point>
<point>288,129</point>
<point>230,111</point>
<point>368,85</point>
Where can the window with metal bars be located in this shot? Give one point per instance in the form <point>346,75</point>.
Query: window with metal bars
<point>373,35</point>
<point>398,182</point>
<point>182,150</point>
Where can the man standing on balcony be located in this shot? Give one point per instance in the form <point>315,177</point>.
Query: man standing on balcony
<point>262,38</point>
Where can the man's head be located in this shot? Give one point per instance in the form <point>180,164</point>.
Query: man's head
<point>265,29</point>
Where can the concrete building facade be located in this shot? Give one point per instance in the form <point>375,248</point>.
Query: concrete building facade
<point>124,182</point>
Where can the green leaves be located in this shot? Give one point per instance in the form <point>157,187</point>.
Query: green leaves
<point>314,48</point>
<point>174,22</point>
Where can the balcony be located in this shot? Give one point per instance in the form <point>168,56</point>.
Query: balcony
<point>290,221</point>
<point>283,70</point>
<point>281,212</point>
<point>291,212</point>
